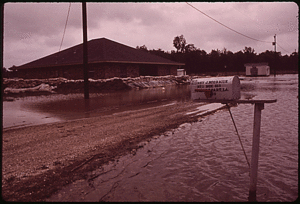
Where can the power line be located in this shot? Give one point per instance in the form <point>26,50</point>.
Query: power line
<point>227,26</point>
<point>282,47</point>
<point>65,27</point>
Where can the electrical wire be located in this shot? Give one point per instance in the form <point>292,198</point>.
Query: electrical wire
<point>238,135</point>
<point>282,48</point>
<point>227,26</point>
<point>65,27</point>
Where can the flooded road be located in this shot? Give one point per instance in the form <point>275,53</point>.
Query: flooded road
<point>203,161</point>
<point>36,110</point>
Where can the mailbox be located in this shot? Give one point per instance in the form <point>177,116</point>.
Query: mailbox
<point>219,88</point>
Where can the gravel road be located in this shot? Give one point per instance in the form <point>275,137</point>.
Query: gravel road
<point>38,160</point>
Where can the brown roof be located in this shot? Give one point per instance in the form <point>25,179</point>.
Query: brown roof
<point>99,51</point>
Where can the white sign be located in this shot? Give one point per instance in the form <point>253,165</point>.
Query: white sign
<point>220,88</point>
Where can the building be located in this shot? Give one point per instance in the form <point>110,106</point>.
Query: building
<point>106,59</point>
<point>257,69</point>
<point>181,72</point>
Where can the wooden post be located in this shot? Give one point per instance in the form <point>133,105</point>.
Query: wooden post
<point>275,54</point>
<point>85,52</point>
<point>255,151</point>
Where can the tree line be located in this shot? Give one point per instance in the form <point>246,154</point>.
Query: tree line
<point>198,61</point>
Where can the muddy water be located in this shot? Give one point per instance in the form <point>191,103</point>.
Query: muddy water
<point>204,161</point>
<point>36,110</point>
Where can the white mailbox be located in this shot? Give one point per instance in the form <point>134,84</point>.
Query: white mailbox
<point>219,88</point>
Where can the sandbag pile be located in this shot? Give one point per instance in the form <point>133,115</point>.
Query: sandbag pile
<point>63,85</point>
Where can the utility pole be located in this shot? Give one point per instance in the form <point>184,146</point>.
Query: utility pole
<point>85,52</point>
<point>274,43</point>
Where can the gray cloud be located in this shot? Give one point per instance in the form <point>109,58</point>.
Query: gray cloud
<point>34,18</point>
<point>33,30</point>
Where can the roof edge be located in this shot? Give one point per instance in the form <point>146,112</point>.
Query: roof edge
<point>119,62</point>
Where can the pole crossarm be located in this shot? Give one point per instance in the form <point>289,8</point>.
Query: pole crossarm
<point>236,101</point>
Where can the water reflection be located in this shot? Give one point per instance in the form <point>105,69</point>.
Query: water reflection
<point>59,107</point>
<point>86,108</point>
<point>15,115</point>
<point>98,103</point>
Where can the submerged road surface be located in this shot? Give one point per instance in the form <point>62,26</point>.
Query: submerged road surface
<point>38,160</point>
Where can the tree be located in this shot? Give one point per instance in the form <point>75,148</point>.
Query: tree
<point>248,50</point>
<point>161,53</point>
<point>143,47</point>
<point>249,54</point>
<point>179,43</point>
<point>189,48</point>
<point>293,60</point>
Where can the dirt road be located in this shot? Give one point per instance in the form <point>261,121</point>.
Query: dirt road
<point>38,160</point>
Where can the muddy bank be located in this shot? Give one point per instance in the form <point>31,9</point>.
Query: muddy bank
<point>29,87</point>
<point>38,160</point>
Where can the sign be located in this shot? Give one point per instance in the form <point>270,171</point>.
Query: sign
<point>219,88</point>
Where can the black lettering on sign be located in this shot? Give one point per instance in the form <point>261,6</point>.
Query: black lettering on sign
<point>223,81</point>
<point>219,89</point>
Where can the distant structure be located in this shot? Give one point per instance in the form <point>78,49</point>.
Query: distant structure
<point>257,69</point>
<point>181,72</point>
<point>106,59</point>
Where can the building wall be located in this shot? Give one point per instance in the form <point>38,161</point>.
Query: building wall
<point>70,72</point>
<point>109,70</point>
<point>164,70</point>
<point>148,70</point>
<point>73,72</point>
<point>262,70</point>
<point>173,70</point>
<point>133,70</point>
<point>37,73</point>
<point>97,71</point>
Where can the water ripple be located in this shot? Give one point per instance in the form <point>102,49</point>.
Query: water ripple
<point>204,161</point>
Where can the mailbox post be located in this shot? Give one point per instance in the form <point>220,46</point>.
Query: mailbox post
<point>258,107</point>
<point>232,96</point>
<point>255,150</point>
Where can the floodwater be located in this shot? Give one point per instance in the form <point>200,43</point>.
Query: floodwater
<point>36,110</point>
<point>204,161</point>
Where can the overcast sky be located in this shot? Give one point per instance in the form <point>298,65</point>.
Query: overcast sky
<point>35,30</point>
